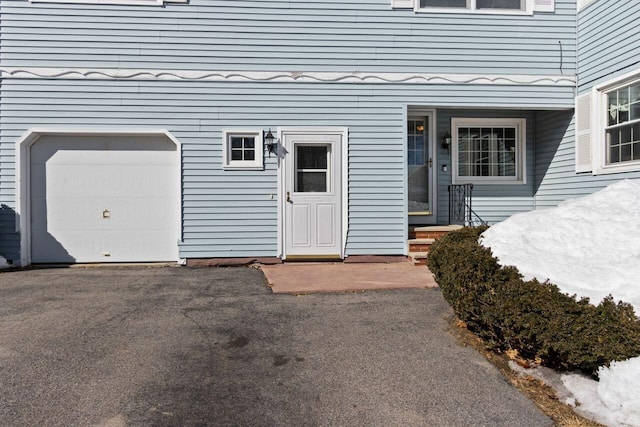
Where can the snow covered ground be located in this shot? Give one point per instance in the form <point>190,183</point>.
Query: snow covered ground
<point>588,246</point>
<point>3,263</point>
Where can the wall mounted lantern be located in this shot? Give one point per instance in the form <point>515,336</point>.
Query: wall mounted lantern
<point>446,141</point>
<point>269,141</point>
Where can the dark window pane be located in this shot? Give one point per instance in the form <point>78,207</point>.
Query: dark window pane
<point>614,154</point>
<point>312,156</point>
<point>236,154</point>
<point>625,134</point>
<point>636,151</point>
<point>249,155</point>
<point>625,152</point>
<point>411,158</point>
<point>249,142</point>
<point>510,146</point>
<point>443,3</point>
<point>613,137</point>
<point>411,126</point>
<point>311,182</point>
<point>635,111</point>
<point>612,108</point>
<point>498,4</point>
<point>623,96</point>
<point>635,93</point>
<point>236,142</point>
<point>623,114</point>
<point>636,132</point>
<point>510,133</point>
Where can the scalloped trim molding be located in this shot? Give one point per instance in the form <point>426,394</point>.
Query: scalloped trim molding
<point>279,76</point>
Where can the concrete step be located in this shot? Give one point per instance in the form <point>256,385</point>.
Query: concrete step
<point>418,258</point>
<point>420,245</point>
<point>434,231</point>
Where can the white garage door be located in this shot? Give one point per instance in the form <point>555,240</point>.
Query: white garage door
<point>104,199</point>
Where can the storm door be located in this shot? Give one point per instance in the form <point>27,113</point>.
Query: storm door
<point>420,171</point>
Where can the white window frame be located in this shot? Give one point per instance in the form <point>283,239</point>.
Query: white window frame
<point>256,164</point>
<point>471,8</point>
<point>114,2</point>
<point>599,124</point>
<point>521,155</point>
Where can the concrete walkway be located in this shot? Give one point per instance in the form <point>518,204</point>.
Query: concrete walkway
<point>309,278</point>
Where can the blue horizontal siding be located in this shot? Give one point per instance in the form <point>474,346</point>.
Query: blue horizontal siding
<point>608,41</point>
<point>556,179</point>
<point>231,213</point>
<point>360,35</point>
<point>608,47</point>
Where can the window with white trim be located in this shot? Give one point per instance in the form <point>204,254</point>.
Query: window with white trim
<point>242,149</point>
<point>622,132</point>
<point>613,127</point>
<point>476,6</point>
<point>488,151</point>
<point>115,2</point>
<point>504,7</point>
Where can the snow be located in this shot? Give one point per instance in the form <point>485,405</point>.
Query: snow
<point>590,247</point>
<point>3,263</point>
<point>576,245</point>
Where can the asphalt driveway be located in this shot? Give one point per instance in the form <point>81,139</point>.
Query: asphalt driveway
<point>185,346</point>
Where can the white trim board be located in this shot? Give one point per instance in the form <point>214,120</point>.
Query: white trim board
<point>22,174</point>
<point>283,76</point>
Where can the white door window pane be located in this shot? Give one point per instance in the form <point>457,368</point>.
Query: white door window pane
<point>312,171</point>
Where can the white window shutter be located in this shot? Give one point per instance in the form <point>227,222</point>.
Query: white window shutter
<point>543,5</point>
<point>402,4</point>
<point>584,146</point>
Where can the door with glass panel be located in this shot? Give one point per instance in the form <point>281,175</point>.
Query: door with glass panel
<point>313,196</point>
<point>420,177</point>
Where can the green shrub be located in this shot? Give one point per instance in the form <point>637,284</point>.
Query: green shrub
<point>534,318</point>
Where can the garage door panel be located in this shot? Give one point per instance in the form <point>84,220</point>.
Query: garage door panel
<point>89,213</point>
<point>117,201</point>
<point>78,149</point>
<point>108,181</point>
<point>112,246</point>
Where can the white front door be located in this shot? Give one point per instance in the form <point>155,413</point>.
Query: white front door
<point>312,195</point>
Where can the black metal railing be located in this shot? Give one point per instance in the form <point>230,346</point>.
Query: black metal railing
<point>460,196</point>
<point>460,210</point>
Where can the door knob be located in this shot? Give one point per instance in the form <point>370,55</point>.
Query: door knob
<point>289,197</point>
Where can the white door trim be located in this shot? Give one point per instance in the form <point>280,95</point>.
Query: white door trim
<point>343,132</point>
<point>23,174</point>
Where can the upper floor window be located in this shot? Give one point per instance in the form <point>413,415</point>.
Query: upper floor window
<point>475,4</point>
<point>608,126</point>
<point>115,2</point>
<point>623,125</point>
